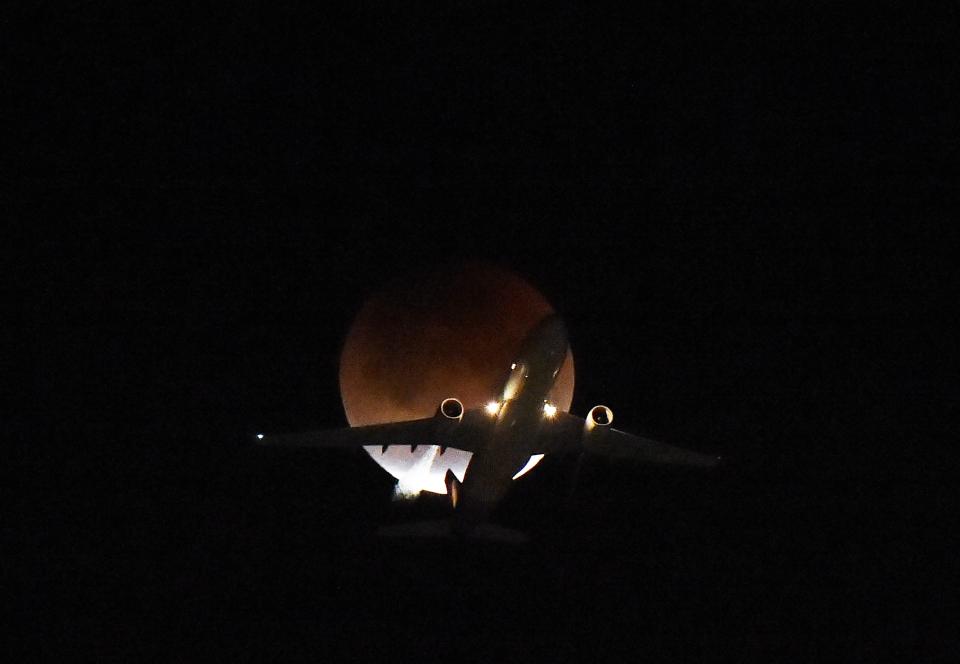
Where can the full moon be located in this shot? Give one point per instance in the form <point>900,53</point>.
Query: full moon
<point>450,332</point>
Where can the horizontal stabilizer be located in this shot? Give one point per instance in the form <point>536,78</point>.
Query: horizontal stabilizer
<point>444,530</point>
<point>417,529</point>
<point>494,533</point>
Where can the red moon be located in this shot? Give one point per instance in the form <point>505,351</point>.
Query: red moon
<point>449,332</point>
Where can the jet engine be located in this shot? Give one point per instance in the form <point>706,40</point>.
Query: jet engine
<point>599,416</point>
<point>450,412</point>
<point>451,409</point>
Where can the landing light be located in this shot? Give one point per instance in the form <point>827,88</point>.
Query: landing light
<point>549,409</point>
<point>492,407</point>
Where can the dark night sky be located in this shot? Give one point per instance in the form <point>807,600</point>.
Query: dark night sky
<point>745,216</point>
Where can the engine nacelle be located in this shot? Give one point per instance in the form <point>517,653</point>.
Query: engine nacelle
<point>599,416</point>
<point>451,409</point>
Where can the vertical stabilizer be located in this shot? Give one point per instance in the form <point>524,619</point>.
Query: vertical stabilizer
<point>453,488</point>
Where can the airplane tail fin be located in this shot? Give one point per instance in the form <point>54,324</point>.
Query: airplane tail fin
<point>453,488</point>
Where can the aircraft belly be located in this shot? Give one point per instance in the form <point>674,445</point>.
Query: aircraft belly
<point>488,477</point>
<point>490,471</point>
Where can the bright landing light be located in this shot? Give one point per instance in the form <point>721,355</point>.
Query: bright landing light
<point>549,409</point>
<point>492,407</point>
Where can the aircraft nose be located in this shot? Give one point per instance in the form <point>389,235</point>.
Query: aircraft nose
<point>553,331</point>
<point>548,338</point>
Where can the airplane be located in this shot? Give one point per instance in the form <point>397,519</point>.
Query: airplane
<point>504,436</point>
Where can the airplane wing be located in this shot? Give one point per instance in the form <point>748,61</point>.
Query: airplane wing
<point>566,432</point>
<point>466,434</point>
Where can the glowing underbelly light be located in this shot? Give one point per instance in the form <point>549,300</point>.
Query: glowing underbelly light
<point>531,462</point>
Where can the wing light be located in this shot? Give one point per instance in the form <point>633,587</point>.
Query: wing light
<point>492,407</point>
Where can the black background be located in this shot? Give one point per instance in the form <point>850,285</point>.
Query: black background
<point>746,216</point>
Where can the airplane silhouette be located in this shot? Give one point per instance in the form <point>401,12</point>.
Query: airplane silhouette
<point>505,438</point>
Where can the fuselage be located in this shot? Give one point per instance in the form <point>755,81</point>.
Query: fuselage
<point>520,411</point>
